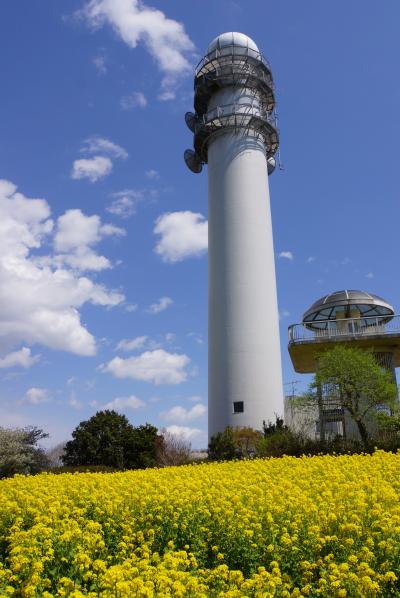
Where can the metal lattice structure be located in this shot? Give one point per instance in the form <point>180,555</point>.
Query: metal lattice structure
<point>232,66</point>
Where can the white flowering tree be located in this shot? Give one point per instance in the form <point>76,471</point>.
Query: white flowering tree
<point>19,452</point>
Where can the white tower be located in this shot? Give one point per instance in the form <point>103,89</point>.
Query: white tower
<point>235,133</point>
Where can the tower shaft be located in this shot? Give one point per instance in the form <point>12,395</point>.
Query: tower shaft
<point>244,349</point>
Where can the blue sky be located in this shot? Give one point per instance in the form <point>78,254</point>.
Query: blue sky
<point>103,297</point>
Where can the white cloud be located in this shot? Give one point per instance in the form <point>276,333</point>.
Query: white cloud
<point>36,395</point>
<point>100,165</point>
<point>136,99</point>
<point>184,432</point>
<point>75,235</point>
<point>134,22</point>
<point>182,235</point>
<point>122,403</point>
<point>125,202</point>
<point>100,64</point>
<point>284,314</point>
<point>76,230</point>
<point>39,299</point>
<point>286,254</point>
<point>91,168</point>
<point>182,415</point>
<point>198,338</point>
<point>130,307</point>
<point>22,358</point>
<point>100,145</point>
<point>158,367</point>
<point>310,259</point>
<point>73,401</point>
<point>369,275</point>
<point>162,304</point>
<point>195,399</point>
<point>167,95</point>
<point>152,174</point>
<point>133,344</point>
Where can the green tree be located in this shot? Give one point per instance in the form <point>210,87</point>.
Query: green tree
<point>142,446</point>
<point>246,440</point>
<point>20,453</point>
<point>108,438</point>
<point>358,383</point>
<point>222,446</point>
<point>270,428</point>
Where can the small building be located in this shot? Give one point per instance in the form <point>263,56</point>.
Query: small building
<point>356,319</point>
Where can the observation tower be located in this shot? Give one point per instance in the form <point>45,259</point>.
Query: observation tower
<point>352,318</point>
<point>235,133</point>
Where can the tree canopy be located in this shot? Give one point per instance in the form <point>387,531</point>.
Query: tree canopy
<point>359,384</point>
<point>109,439</point>
<point>19,451</point>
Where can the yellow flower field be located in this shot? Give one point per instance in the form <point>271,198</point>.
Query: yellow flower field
<point>314,526</point>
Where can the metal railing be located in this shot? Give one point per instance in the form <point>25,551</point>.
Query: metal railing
<point>346,327</point>
<point>225,114</point>
<point>233,52</point>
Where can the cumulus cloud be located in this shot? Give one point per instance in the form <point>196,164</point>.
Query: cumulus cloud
<point>158,367</point>
<point>195,399</point>
<point>100,64</point>
<point>130,307</point>
<point>22,358</point>
<point>100,165</point>
<point>134,23</point>
<point>162,304</point>
<point>125,202</point>
<point>35,395</point>
<point>136,99</point>
<point>182,235</point>
<point>123,403</point>
<point>369,275</point>
<point>198,338</point>
<point>73,401</point>
<point>152,174</point>
<point>133,344</point>
<point>39,298</point>
<point>182,415</point>
<point>288,255</point>
<point>310,259</point>
<point>91,168</point>
<point>184,432</point>
<point>100,145</point>
<point>75,236</point>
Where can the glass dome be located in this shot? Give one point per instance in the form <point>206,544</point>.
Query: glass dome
<point>347,304</point>
<point>232,38</point>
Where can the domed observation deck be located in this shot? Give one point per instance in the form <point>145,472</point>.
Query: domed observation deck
<point>356,318</point>
<point>232,62</point>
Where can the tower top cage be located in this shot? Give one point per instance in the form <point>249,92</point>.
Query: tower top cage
<point>232,60</point>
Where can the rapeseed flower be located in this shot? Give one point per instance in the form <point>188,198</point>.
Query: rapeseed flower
<point>313,526</point>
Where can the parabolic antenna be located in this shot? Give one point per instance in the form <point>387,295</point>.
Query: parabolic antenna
<point>190,120</point>
<point>193,161</point>
<point>271,163</point>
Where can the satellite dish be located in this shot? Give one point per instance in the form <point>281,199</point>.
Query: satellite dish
<point>190,120</point>
<point>271,163</point>
<point>193,161</point>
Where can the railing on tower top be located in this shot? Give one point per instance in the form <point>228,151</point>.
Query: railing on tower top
<point>350,327</point>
